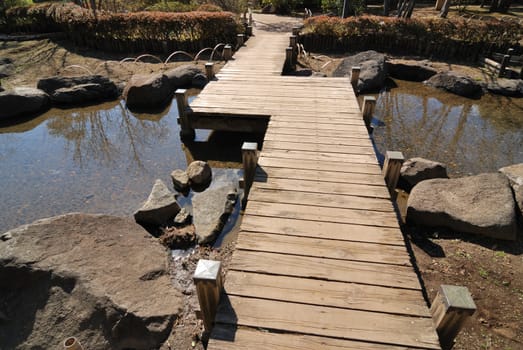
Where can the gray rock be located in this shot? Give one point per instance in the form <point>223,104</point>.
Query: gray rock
<point>144,91</point>
<point>373,70</point>
<point>211,209</point>
<point>506,87</point>
<point>410,71</point>
<point>481,204</point>
<point>6,236</point>
<point>515,175</point>
<point>199,81</point>
<point>200,173</point>
<point>180,180</point>
<point>52,84</point>
<point>455,83</point>
<point>183,217</point>
<point>183,76</point>
<point>6,70</point>
<point>83,93</point>
<point>100,278</point>
<point>22,101</point>
<point>415,170</point>
<point>5,60</point>
<point>160,208</point>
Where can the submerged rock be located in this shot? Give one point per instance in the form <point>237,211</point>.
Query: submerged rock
<point>455,83</point>
<point>373,70</point>
<point>160,208</point>
<point>200,173</point>
<point>481,204</point>
<point>144,91</point>
<point>415,170</point>
<point>100,278</point>
<point>211,209</point>
<point>506,87</point>
<point>22,101</point>
<point>515,175</point>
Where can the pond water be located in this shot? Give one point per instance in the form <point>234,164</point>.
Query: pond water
<point>99,159</point>
<point>470,136</point>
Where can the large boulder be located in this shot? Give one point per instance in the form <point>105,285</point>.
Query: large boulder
<point>144,91</point>
<point>160,208</point>
<point>506,87</point>
<point>415,170</point>
<point>83,93</point>
<point>515,175</point>
<point>99,278</point>
<point>418,71</point>
<point>373,70</point>
<point>22,101</point>
<point>481,204</point>
<point>455,83</point>
<point>211,209</point>
<point>200,173</point>
<point>184,76</point>
<point>107,88</point>
<point>7,67</point>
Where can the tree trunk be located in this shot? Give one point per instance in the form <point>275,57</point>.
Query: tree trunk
<point>410,8</point>
<point>445,10</point>
<point>346,9</point>
<point>493,6</point>
<point>386,7</point>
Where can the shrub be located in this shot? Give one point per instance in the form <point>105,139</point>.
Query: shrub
<point>172,6</point>
<point>209,8</point>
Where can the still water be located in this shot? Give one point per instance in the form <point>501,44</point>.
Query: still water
<point>99,159</point>
<point>470,136</point>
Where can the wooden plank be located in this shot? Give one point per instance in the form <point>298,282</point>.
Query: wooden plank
<point>326,230</point>
<point>327,269</point>
<point>322,156</point>
<point>323,248</point>
<point>297,132</point>
<point>225,337</point>
<point>362,168</point>
<point>326,140</point>
<point>334,322</point>
<point>307,212</point>
<point>315,126</point>
<point>367,204</point>
<point>315,147</point>
<point>352,189</point>
<point>325,293</point>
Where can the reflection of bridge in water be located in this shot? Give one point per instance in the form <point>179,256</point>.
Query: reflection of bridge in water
<point>320,261</point>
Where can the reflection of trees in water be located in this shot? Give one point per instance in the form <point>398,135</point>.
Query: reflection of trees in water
<point>106,135</point>
<point>470,136</point>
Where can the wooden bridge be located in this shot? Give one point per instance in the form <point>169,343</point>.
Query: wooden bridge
<point>320,261</point>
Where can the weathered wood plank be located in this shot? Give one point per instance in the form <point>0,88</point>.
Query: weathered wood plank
<point>321,156</point>
<point>315,147</point>
<point>323,248</point>
<point>326,269</point>
<point>325,293</point>
<point>225,337</point>
<point>334,322</point>
<point>323,165</point>
<point>326,230</point>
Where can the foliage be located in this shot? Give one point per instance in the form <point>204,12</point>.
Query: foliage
<point>419,29</point>
<point>285,6</point>
<point>209,8</point>
<point>83,27</point>
<point>172,6</point>
<point>336,6</point>
<point>7,4</point>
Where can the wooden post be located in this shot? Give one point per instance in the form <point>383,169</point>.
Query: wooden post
<point>208,281</point>
<point>369,103</point>
<point>439,4</point>
<point>227,52</point>
<point>391,170</point>
<point>295,31</point>
<point>239,40</point>
<point>248,31</point>
<point>504,64</point>
<point>250,18</point>
<point>209,70</point>
<point>250,161</point>
<point>450,310</point>
<point>354,77</point>
<point>288,57</point>
<point>72,344</point>
<point>186,132</point>
<point>292,41</point>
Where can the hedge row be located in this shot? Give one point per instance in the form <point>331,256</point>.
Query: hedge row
<point>445,38</point>
<point>154,31</point>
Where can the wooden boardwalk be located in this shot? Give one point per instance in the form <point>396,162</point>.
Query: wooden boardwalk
<point>320,261</point>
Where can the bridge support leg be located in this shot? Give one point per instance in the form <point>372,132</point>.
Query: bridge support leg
<point>450,310</point>
<point>209,70</point>
<point>369,103</point>
<point>186,132</point>
<point>240,39</point>
<point>391,170</point>
<point>295,31</point>
<point>227,52</point>
<point>289,61</point>
<point>250,161</point>
<point>354,77</point>
<point>504,64</point>
<point>208,281</point>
